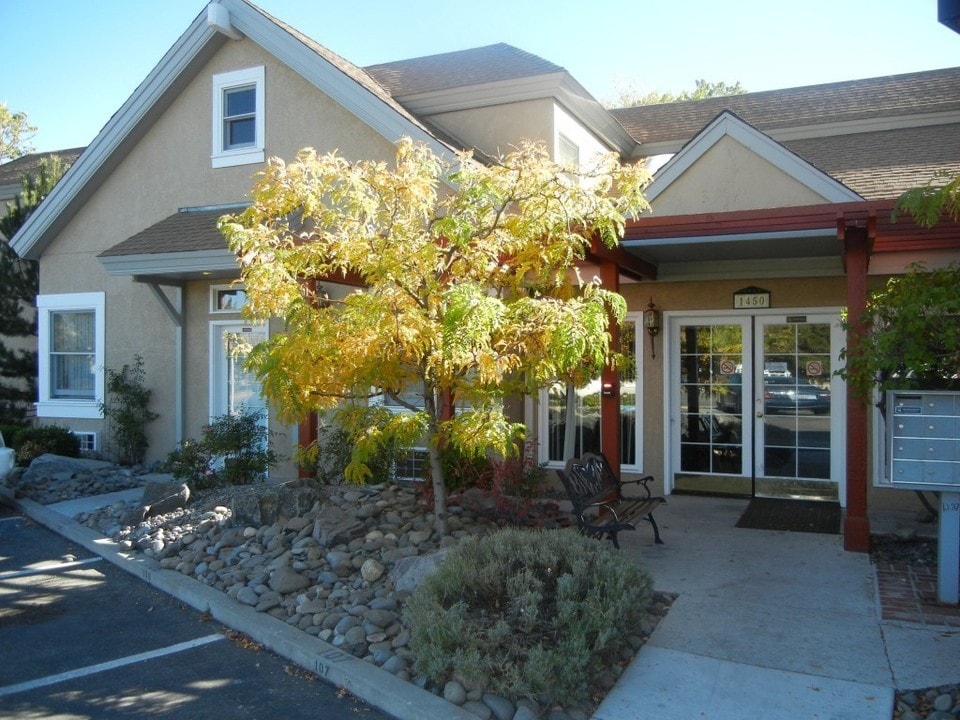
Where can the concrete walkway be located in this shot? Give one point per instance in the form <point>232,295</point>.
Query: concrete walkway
<point>767,625</point>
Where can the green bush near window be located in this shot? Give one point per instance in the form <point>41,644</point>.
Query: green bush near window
<point>126,411</point>
<point>523,613</point>
<point>32,442</point>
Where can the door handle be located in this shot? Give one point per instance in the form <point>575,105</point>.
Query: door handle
<point>759,414</point>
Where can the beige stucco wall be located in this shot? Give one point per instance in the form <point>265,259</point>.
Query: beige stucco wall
<point>728,177</point>
<point>498,129</point>
<point>170,168</point>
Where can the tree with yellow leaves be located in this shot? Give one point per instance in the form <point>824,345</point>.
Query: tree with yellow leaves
<point>470,290</point>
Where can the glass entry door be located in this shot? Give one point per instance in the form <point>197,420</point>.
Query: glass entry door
<point>235,390</point>
<point>753,411</point>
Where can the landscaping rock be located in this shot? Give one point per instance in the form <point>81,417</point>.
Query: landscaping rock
<point>163,496</point>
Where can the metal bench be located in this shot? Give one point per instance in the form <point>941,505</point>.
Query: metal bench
<point>602,509</point>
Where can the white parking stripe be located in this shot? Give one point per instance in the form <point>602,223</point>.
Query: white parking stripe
<point>112,664</point>
<point>47,568</point>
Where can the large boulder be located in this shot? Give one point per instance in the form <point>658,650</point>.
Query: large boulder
<point>409,573</point>
<point>163,496</point>
<point>48,465</point>
<point>335,526</point>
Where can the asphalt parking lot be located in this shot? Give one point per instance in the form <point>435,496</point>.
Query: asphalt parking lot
<point>80,638</point>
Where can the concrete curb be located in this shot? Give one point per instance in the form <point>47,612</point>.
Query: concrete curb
<point>368,682</point>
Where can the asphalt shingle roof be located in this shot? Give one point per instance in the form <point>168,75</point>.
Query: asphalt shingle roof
<point>12,171</point>
<point>185,231</point>
<point>884,164</point>
<point>463,68</point>
<point>890,96</point>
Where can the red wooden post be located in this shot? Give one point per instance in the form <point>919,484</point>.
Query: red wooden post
<point>856,526</point>
<point>610,382</point>
<point>307,431</point>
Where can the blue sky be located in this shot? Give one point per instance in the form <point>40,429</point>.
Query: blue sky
<point>69,64</point>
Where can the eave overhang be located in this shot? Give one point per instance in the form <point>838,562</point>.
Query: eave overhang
<point>780,242</point>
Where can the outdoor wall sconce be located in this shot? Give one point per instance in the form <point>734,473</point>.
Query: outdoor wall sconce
<point>651,321</point>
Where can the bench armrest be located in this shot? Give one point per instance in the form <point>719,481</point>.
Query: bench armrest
<point>640,481</point>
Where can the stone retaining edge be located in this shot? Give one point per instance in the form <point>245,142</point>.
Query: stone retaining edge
<point>404,700</point>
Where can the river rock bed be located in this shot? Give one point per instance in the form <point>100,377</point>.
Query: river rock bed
<point>337,562</point>
<point>53,478</point>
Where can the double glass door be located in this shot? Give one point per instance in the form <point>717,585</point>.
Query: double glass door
<point>754,405</point>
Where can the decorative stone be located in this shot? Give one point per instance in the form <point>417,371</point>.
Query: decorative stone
<point>501,707</point>
<point>478,709</point>
<point>286,580</point>
<point>454,692</point>
<point>371,570</point>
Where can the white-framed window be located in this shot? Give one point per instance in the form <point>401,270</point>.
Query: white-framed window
<point>227,298</point>
<point>238,117</point>
<point>70,345</point>
<point>586,420</point>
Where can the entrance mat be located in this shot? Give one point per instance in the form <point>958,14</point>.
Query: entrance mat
<point>791,515</point>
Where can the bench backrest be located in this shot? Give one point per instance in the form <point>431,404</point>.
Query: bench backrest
<point>585,479</point>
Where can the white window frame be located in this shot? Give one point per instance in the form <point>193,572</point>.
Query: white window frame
<point>228,81</point>
<point>235,293</point>
<point>48,406</point>
<point>543,411</point>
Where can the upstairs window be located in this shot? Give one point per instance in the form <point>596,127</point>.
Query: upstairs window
<point>238,117</point>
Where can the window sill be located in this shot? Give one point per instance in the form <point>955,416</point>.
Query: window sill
<point>69,409</point>
<point>241,157</point>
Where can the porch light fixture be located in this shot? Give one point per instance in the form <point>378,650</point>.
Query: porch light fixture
<point>651,321</point>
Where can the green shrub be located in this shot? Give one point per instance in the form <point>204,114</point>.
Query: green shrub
<point>126,411</point>
<point>32,442</point>
<point>523,612</point>
<point>327,457</point>
<point>233,450</point>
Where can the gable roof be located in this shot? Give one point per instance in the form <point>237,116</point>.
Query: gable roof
<point>13,170</point>
<point>729,125</point>
<point>494,75</point>
<point>775,112</point>
<point>476,66</point>
<point>884,164</point>
<point>343,82</point>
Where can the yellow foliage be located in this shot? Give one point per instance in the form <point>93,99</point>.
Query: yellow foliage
<point>466,271</point>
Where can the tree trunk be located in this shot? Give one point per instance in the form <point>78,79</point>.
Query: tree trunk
<point>439,491</point>
<point>437,475</point>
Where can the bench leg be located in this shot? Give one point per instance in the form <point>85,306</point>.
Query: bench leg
<point>612,534</point>
<point>656,530</point>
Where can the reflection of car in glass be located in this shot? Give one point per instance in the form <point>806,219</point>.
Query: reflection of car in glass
<point>7,460</point>
<point>787,394</point>
<point>780,394</point>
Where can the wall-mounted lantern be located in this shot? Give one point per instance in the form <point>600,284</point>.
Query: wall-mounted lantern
<point>651,321</point>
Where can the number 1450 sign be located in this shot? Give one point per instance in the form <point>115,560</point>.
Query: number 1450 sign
<point>751,300</point>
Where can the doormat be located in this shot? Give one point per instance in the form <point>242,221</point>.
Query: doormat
<point>791,515</point>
